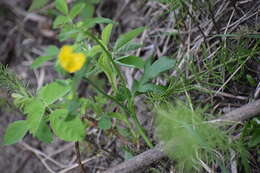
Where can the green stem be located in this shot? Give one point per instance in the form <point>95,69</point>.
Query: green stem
<point>109,55</point>
<point>126,110</point>
<point>141,130</point>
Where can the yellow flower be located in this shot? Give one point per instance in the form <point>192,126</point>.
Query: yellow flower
<point>69,60</point>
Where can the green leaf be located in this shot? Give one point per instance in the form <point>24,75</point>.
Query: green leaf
<point>60,20</point>
<point>73,130</point>
<point>36,4</point>
<point>161,65</point>
<point>44,133</point>
<point>130,46</point>
<point>68,32</point>
<point>62,6</point>
<point>105,36</point>
<point>107,67</point>
<point>151,88</point>
<point>53,91</point>
<point>125,38</point>
<point>131,61</point>
<point>94,51</point>
<point>88,23</point>
<point>88,11</point>
<point>39,61</point>
<point>76,9</point>
<point>51,51</point>
<point>118,116</point>
<point>35,110</point>
<point>48,54</point>
<point>15,132</point>
<point>123,94</point>
<point>105,122</point>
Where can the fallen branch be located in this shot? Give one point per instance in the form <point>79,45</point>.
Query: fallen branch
<point>150,156</point>
<point>245,112</point>
<point>140,161</point>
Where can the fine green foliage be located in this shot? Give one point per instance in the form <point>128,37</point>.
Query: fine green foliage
<point>15,132</point>
<point>188,139</point>
<point>71,130</point>
<point>251,132</point>
<point>9,81</point>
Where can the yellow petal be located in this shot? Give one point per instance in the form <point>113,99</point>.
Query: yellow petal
<point>70,61</point>
<point>65,51</point>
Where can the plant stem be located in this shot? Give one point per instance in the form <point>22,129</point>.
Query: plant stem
<point>78,157</point>
<point>141,130</point>
<point>126,110</point>
<point>109,55</point>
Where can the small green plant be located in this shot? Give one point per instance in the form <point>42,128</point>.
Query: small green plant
<point>57,108</point>
<point>193,141</point>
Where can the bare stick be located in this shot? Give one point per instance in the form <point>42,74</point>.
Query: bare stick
<point>150,156</point>
<point>76,165</point>
<point>140,161</point>
<point>245,112</point>
<point>78,158</point>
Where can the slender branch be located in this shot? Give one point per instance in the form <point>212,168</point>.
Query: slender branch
<point>78,158</point>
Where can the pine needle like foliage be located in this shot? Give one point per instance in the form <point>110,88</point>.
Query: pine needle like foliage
<point>10,82</point>
<point>190,141</point>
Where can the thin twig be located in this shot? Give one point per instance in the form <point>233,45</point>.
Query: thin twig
<point>76,165</point>
<point>38,152</point>
<point>78,158</point>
